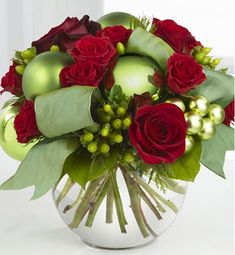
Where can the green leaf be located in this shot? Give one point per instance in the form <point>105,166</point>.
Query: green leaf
<point>42,166</point>
<point>144,43</point>
<point>218,88</point>
<point>116,93</point>
<point>186,167</point>
<point>214,150</point>
<point>65,110</point>
<point>10,102</point>
<point>81,167</point>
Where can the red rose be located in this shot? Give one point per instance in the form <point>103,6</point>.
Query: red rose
<point>12,82</point>
<point>178,37</point>
<point>66,34</point>
<point>25,123</point>
<point>115,34</point>
<point>158,133</point>
<point>183,73</point>
<point>158,79</point>
<point>95,49</point>
<point>82,73</point>
<point>141,100</point>
<point>229,114</point>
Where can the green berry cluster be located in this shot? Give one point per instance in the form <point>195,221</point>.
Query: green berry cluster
<point>22,58</point>
<point>114,120</point>
<point>201,56</point>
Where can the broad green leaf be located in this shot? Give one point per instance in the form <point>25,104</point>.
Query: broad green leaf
<point>144,43</point>
<point>186,167</point>
<point>10,102</point>
<point>42,166</point>
<point>214,150</point>
<point>218,88</point>
<point>65,110</point>
<point>81,167</point>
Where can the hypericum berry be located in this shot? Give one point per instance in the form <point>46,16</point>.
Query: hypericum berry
<point>92,147</point>
<point>88,137</point>
<point>118,138</point>
<point>206,60</point>
<point>199,56</point>
<point>120,48</point>
<point>128,157</point>
<point>126,122</point>
<point>27,54</point>
<point>104,148</point>
<point>117,124</point>
<point>107,108</point>
<point>215,62</point>
<point>206,50</point>
<point>121,111</point>
<point>20,69</point>
<point>55,48</point>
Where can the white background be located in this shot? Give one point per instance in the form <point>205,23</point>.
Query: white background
<point>205,224</point>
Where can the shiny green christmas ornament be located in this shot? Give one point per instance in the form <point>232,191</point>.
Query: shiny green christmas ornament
<point>42,73</point>
<point>117,18</point>
<point>216,114</point>
<point>132,74</point>
<point>8,140</point>
<point>208,129</point>
<point>189,143</point>
<point>178,102</point>
<point>199,104</point>
<point>194,122</point>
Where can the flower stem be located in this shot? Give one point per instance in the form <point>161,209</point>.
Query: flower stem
<point>109,206</point>
<point>96,204</point>
<point>118,203</point>
<point>135,206</point>
<point>76,202</point>
<point>68,185</point>
<point>173,185</point>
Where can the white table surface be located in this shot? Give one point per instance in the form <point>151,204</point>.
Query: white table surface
<point>204,226</point>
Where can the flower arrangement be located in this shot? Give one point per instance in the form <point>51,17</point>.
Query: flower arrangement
<point>137,96</point>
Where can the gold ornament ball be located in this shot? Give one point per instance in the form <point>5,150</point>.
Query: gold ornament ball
<point>216,114</point>
<point>117,18</point>
<point>132,72</point>
<point>189,143</point>
<point>42,73</point>
<point>178,102</point>
<point>8,139</point>
<point>199,104</point>
<point>194,122</point>
<point>208,129</point>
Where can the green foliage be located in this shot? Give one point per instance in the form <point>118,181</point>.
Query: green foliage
<point>42,166</point>
<point>66,110</point>
<point>143,22</point>
<point>218,88</point>
<point>83,167</point>
<point>116,94</point>
<point>144,43</point>
<point>186,167</point>
<point>214,150</point>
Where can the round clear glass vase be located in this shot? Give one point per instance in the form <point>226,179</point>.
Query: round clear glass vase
<point>119,209</point>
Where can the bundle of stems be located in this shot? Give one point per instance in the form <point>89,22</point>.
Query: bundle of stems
<point>89,200</point>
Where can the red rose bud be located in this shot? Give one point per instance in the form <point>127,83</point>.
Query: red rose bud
<point>158,133</point>
<point>66,34</point>
<point>95,49</point>
<point>25,123</point>
<point>115,34</point>
<point>12,82</point>
<point>183,73</point>
<point>229,114</point>
<point>178,37</point>
<point>141,100</point>
<point>82,73</point>
<point>158,79</point>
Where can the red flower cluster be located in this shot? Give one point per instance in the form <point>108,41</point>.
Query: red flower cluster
<point>229,114</point>
<point>66,34</point>
<point>158,133</point>
<point>183,73</point>
<point>25,123</point>
<point>12,82</point>
<point>178,37</point>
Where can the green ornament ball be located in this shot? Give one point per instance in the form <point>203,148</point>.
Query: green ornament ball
<point>8,139</point>
<point>117,18</point>
<point>41,75</point>
<point>132,74</point>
